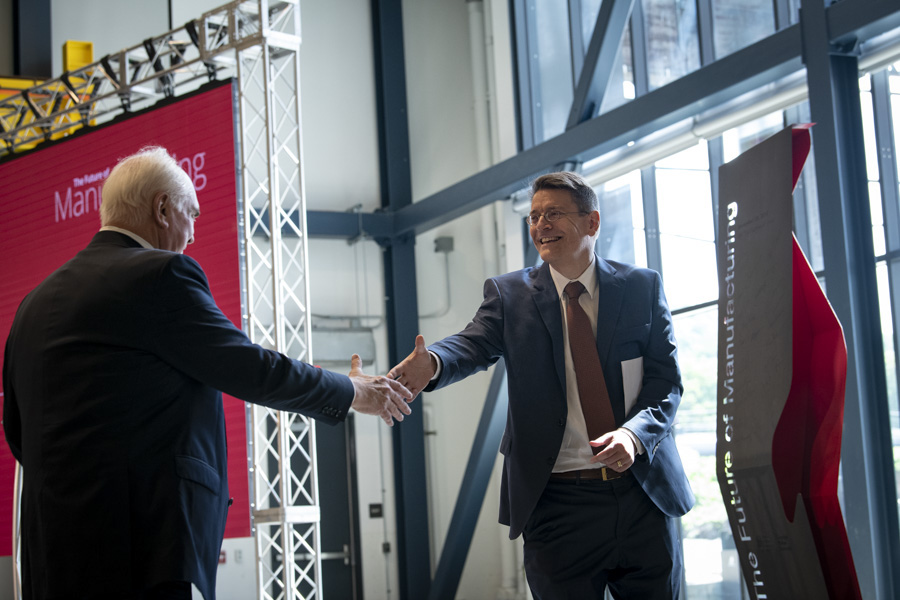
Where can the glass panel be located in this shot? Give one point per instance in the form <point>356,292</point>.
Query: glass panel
<point>687,231</point>
<point>868,119</point>
<point>685,204</point>
<point>695,157</point>
<point>878,239</point>
<point>895,115</point>
<point>890,360</point>
<point>806,199</point>
<point>673,48</point>
<point>794,10</point>
<point>622,220</point>
<point>621,84</point>
<point>555,64</point>
<point>711,564</point>
<point>739,23</point>
<point>689,271</point>
<point>743,137</point>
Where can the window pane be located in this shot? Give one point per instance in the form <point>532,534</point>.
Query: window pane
<point>555,64</point>
<point>689,271</point>
<point>895,116</point>
<point>687,230</point>
<point>878,239</point>
<point>739,23</point>
<point>806,199</point>
<point>711,564</point>
<point>695,157</point>
<point>685,204</point>
<point>890,360</point>
<point>673,48</point>
<point>622,220</point>
<point>621,83</point>
<point>868,119</point>
<point>742,138</point>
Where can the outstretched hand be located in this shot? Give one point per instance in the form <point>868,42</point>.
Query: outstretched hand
<point>378,395</point>
<point>416,370</point>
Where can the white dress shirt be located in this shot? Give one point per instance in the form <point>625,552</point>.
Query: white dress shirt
<point>575,452</point>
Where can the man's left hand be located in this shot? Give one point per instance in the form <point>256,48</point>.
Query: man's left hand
<point>618,454</point>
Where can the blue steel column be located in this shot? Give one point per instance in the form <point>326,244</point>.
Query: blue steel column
<point>32,52</point>
<point>474,486</point>
<point>850,282</point>
<point>400,290</point>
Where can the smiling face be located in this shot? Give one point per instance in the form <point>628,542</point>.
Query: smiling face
<point>567,244</point>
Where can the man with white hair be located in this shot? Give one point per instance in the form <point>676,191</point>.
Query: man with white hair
<point>113,377</point>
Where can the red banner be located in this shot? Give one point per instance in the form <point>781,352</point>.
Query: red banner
<point>49,210</point>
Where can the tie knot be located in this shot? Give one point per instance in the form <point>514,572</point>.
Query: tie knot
<point>574,289</point>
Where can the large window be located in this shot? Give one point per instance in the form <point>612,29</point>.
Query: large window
<point>880,103</point>
<point>739,23</point>
<point>673,47</point>
<point>663,216</point>
<point>686,228</point>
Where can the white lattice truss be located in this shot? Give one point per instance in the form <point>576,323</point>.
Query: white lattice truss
<point>257,42</point>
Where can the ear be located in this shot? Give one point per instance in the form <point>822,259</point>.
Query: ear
<point>161,208</point>
<point>594,222</point>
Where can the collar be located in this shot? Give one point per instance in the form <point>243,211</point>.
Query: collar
<point>588,279</point>
<point>130,234</point>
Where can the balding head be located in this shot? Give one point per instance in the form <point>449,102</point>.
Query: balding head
<point>130,189</point>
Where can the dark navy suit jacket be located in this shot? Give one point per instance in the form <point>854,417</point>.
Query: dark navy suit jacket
<point>520,319</point>
<point>112,379</point>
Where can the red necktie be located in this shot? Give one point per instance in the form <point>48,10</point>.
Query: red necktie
<point>595,404</point>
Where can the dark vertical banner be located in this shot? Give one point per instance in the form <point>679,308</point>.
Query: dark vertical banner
<point>782,370</point>
<point>49,210</point>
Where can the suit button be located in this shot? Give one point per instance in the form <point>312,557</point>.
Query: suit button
<point>551,461</point>
<point>562,422</point>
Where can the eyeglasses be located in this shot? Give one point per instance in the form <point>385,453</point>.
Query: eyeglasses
<point>551,216</point>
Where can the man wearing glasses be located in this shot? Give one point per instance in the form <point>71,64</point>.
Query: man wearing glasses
<point>591,474</point>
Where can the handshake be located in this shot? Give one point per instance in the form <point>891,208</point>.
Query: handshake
<point>388,396</point>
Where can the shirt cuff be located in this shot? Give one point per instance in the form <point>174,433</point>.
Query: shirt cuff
<point>638,446</point>
<point>437,371</point>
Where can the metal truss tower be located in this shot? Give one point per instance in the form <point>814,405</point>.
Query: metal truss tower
<point>256,42</point>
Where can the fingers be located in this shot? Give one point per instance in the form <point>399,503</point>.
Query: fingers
<point>420,344</point>
<point>615,455</point>
<point>355,364</point>
<point>603,440</point>
<point>399,389</point>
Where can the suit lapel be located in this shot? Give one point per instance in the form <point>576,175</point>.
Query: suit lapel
<point>547,301</point>
<point>612,290</point>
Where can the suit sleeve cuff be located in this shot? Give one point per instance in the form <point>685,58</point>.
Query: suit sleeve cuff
<point>638,446</point>
<point>440,366</point>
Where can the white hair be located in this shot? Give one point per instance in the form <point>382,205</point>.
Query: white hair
<point>129,190</point>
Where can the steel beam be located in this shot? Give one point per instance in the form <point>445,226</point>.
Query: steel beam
<point>352,225</point>
<point>400,290</point>
<point>600,60</point>
<point>530,121</point>
<point>852,20</point>
<point>748,69</point>
<point>474,486</point>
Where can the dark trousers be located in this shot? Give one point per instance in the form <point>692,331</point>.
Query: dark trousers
<point>585,535</point>
<point>172,590</point>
